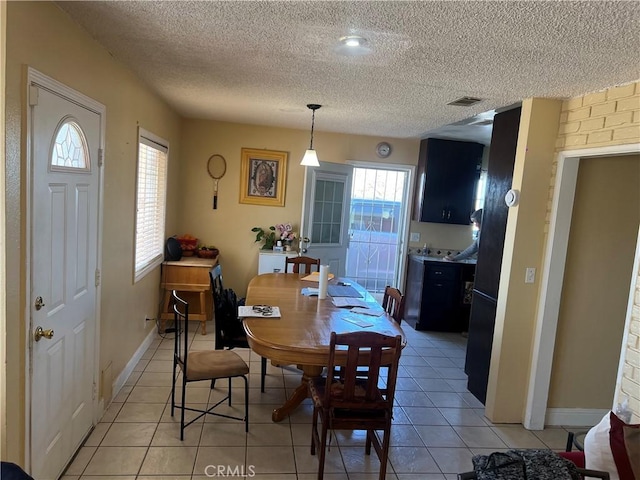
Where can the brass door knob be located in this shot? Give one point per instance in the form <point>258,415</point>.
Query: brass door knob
<point>40,332</point>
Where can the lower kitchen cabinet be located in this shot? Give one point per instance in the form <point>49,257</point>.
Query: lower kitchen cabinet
<point>438,294</point>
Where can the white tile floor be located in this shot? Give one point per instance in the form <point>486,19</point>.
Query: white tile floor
<point>438,425</point>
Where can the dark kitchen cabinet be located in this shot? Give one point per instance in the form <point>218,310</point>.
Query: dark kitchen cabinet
<point>448,173</point>
<point>437,295</point>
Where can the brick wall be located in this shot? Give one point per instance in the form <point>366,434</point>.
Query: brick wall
<point>609,117</point>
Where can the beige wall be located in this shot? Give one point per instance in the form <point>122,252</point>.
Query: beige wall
<point>229,227</point>
<point>43,37</point>
<point>595,293</point>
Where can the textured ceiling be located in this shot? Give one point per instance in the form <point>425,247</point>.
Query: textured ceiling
<point>261,62</point>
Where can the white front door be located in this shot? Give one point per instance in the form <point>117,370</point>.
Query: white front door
<point>66,139</point>
<point>325,214</point>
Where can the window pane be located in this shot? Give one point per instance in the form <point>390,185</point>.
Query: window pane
<point>150,203</point>
<point>69,148</point>
<point>327,212</point>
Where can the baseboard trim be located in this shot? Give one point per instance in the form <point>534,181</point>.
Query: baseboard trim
<point>131,364</point>
<point>574,417</point>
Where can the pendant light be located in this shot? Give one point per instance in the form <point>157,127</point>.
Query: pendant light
<point>310,158</point>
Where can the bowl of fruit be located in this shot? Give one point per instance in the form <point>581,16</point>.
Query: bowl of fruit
<point>189,244</point>
<point>207,252</point>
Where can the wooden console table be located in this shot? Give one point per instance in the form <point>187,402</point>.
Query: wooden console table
<point>190,274</point>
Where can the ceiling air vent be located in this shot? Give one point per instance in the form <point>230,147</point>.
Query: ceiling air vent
<point>465,101</point>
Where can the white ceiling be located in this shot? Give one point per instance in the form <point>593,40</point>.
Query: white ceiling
<point>261,62</point>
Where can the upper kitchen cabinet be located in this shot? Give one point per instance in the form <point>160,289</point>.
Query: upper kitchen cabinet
<point>448,173</point>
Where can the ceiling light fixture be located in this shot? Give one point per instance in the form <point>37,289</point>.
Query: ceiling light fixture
<point>353,41</point>
<point>310,158</point>
<point>353,46</point>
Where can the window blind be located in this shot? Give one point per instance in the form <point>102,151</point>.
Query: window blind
<point>151,196</point>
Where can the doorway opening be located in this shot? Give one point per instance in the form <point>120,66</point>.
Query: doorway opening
<point>377,227</point>
<point>537,412</point>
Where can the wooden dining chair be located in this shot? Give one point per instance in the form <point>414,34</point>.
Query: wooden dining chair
<point>350,398</point>
<point>229,330</point>
<point>308,262</point>
<point>202,365</point>
<point>393,303</point>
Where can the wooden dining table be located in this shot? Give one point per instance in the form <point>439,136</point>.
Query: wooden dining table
<point>301,335</point>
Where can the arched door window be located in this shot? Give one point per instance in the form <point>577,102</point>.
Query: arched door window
<point>69,147</point>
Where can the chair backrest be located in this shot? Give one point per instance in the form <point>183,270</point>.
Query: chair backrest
<point>181,324</point>
<point>228,328</point>
<point>217,288</point>
<point>308,262</point>
<point>393,303</point>
<point>359,387</point>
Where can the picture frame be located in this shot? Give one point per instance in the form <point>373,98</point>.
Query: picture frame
<point>263,177</point>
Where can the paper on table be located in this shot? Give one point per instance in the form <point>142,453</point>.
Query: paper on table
<point>315,277</point>
<point>310,291</point>
<point>348,302</point>
<point>368,311</point>
<point>246,311</point>
<point>361,322</point>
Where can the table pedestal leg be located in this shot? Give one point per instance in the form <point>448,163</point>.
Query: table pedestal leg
<point>299,394</point>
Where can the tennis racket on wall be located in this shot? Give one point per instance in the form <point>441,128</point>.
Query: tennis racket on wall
<point>217,167</point>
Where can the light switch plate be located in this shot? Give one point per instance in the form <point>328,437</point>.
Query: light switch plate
<point>414,237</point>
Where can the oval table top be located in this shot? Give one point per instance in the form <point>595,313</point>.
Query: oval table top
<point>301,335</point>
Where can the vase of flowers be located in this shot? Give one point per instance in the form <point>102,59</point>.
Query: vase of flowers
<point>282,232</point>
<point>287,235</point>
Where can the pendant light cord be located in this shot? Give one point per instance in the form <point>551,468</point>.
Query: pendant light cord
<point>313,121</point>
<point>313,107</point>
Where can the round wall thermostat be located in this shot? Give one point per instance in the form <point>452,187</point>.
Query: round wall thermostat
<point>511,198</point>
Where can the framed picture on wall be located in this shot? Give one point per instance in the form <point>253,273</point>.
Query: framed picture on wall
<point>263,177</point>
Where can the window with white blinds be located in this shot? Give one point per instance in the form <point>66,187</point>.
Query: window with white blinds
<point>151,195</point>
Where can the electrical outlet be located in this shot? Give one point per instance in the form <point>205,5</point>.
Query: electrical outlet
<point>147,319</point>
<point>530,275</point>
<point>414,237</point>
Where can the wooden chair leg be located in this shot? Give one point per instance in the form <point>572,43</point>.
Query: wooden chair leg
<point>229,391</point>
<point>384,455</point>
<point>314,431</point>
<point>323,445</point>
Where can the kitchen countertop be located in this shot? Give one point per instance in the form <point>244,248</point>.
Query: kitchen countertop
<point>431,258</point>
